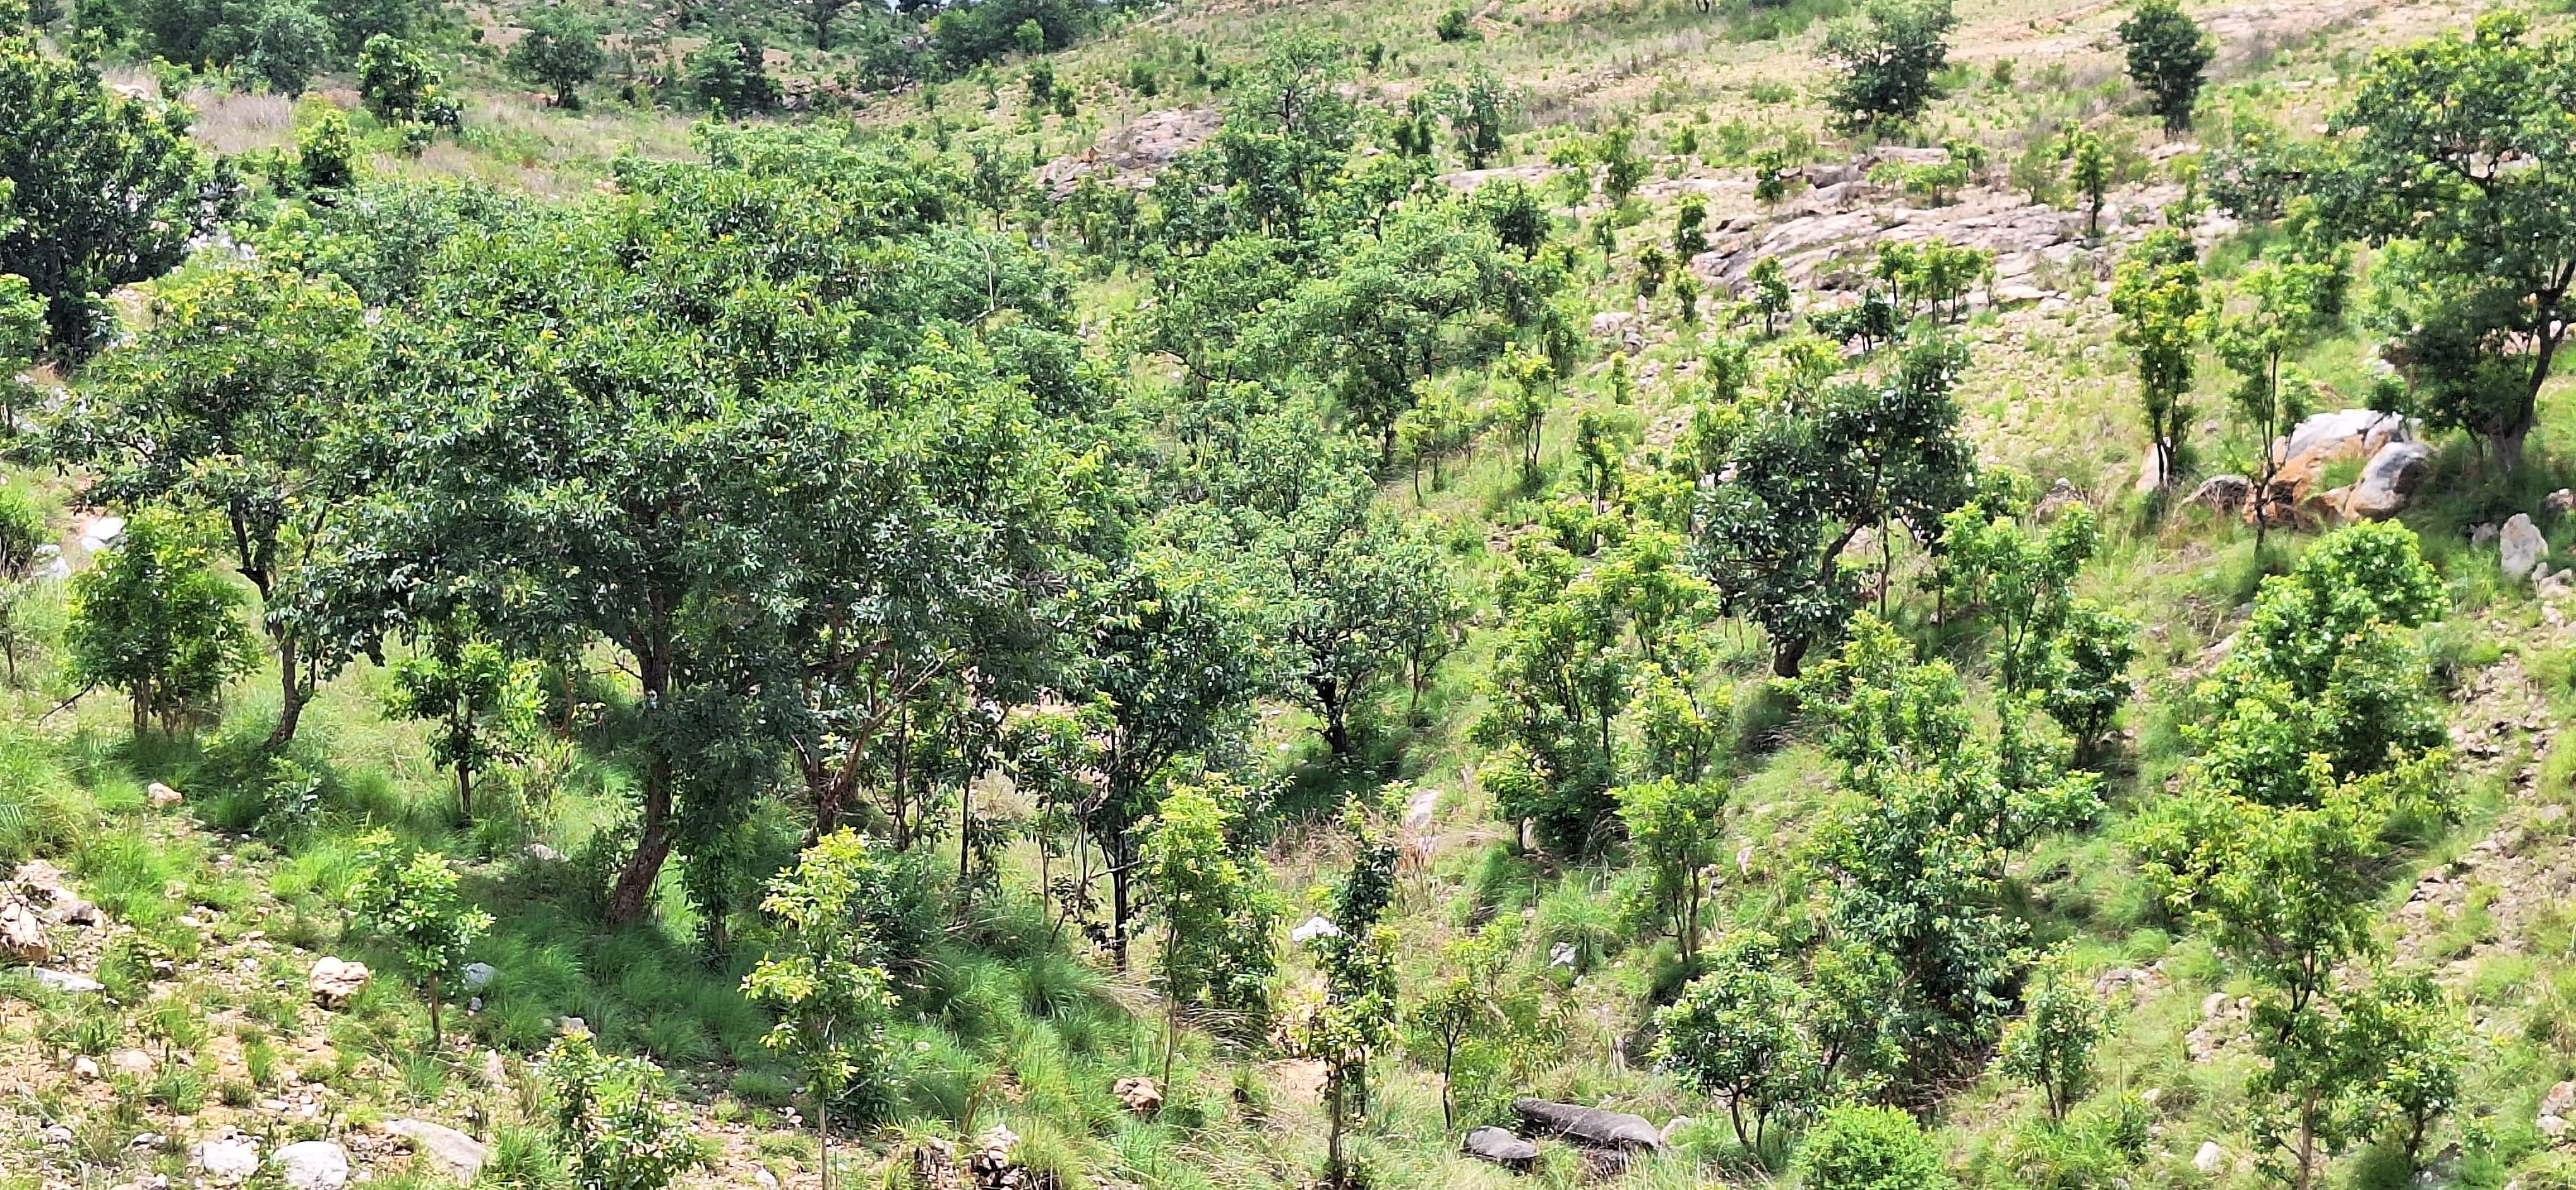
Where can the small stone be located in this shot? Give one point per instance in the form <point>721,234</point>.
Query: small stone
<point>457,1153</point>
<point>85,1069</point>
<point>2209,1158</point>
<point>335,981</point>
<point>133,1062</point>
<point>573,1024</point>
<point>1313,928</point>
<point>1139,1094</point>
<point>764,1179</point>
<point>58,1137</point>
<point>229,1159</point>
<point>161,795</point>
<point>22,933</point>
<point>67,981</point>
<point>542,853</point>
<point>1499,1146</point>
<point>2520,549</point>
<point>2559,503</point>
<point>479,975</point>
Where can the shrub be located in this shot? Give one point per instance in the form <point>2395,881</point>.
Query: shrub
<point>1869,1148</point>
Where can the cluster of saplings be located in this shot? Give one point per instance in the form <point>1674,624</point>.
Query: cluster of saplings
<point>826,473</point>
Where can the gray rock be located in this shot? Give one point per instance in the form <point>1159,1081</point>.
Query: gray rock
<point>1499,1146</point>
<point>313,1165</point>
<point>1589,1126</point>
<point>2210,1157</point>
<point>2225,493</point>
<point>229,1159</point>
<point>67,981</point>
<point>479,975</point>
<point>453,1151</point>
<point>2559,503</point>
<point>2389,480</point>
<point>2520,547</point>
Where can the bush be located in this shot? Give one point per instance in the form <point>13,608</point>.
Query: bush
<point>1869,1148</point>
<point>1452,25</point>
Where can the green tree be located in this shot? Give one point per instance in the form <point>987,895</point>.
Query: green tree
<point>1676,829</point>
<point>2449,156</point>
<point>1869,1148</point>
<point>409,899</point>
<point>1689,240</point>
<point>23,531</point>
<point>154,619</point>
<point>1482,111</point>
<point>1356,952</point>
<point>1886,64</point>
<point>284,44</point>
<point>2050,1046</point>
<point>2088,159</point>
<point>826,975</point>
<point>1621,167</point>
<point>1453,25</point>
<point>1458,1009</point>
<point>326,153</point>
<point>560,50</point>
<point>1534,385</point>
<point>819,15</point>
<point>2156,293</point>
<point>2275,309</point>
<point>215,409</point>
<point>1915,850</point>
<point>2167,51</point>
<point>608,1121</point>
<point>483,704</point>
<point>731,76</point>
<point>1811,474</point>
<point>1218,909</point>
<point>396,80</point>
<point>2420,1050</point>
<point>22,340</point>
<point>1770,292</point>
<point>1735,1033</point>
<point>104,190</point>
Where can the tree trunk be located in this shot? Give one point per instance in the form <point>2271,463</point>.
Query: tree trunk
<point>465,791</point>
<point>290,691</point>
<point>823,1138</point>
<point>1118,906</point>
<point>652,845</point>
<point>435,1033</point>
<point>1786,656</point>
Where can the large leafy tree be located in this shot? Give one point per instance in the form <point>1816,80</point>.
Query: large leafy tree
<point>2456,153</point>
<point>2166,51</point>
<point>104,191</point>
<point>1806,474</point>
<point>559,50</point>
<point>1886,60</point>
<point>223,406</point>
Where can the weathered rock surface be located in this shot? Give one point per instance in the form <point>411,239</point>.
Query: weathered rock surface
<point>22,933</point>
<point>2391,478</point>
<point>1139,1095</point>
<point>460,1155</point>
<point>229,1157</point>
<point>1591,1126</point>
<point>2520,547</point>
<point>335,981</point>
<point>1499,1146</point>
<point>1132,154</point>
<point>2224,493</point>
<point>313,1165</point>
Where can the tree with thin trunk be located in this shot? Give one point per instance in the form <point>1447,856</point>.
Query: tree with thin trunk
<point>2166,53</point>
<point>482,702</point>
<point>2274,312</point>
<point>226,405</point>
<point>410,900</point>
<point>825,975</point>
<point>1217,907</point>
<point>2156,292</point>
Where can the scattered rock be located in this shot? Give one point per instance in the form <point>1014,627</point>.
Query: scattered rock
<point>2555,1107</point>
<point>2559,503</point>
<point>990,1163</point>
<point>85,1069</point>
<point>571,1025</point>
<point>22,934</point>
<point>542,853</point>
<point>1561,955</point>
<point>229,1158</point>
<point>2482,534</point>
<point>2209,1158</point>
<point>1313,928</point>
<point>335,981</point>
<point>2224,493</point>
<point>67,981</point>
<point>1499,1146</point>
<point>133,1062</point>
<point>313,1165</point>
<point>1590,1126</point>
<point>161,795</point>
<point>2520,547</point>
<point>496,1069</point>
<point>478,975</point>
<point>1673,1127</point>
<point>764,1179</point>
<point>1139,1094</point>
<point>57,1137</point>
<point>454,1151</point>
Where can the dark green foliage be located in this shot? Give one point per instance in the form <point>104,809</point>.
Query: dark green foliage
<point>1452,25</point>
<point>729,77</point>
<point>1811,475</point>
<point>153,619</point>
<point>281,42</point>
<point>103,191</point>
<point>2450,157</point>
<point>560,50</point>
<point>1888,63</point>
<point>2167,51</point>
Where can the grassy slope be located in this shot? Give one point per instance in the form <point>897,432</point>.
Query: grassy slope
<point>1029,1040</point>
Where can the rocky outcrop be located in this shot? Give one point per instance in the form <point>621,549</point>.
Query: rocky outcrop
<point>2222,493</point>
<point>1499,1146</point>
<point>228,1158</point>
<point>2387,482</point>
<point>1138,1095</point>
<point>1592,1127</point>
<point>2394,466</point>
<point>22,933</point>
<point>1132,154</point>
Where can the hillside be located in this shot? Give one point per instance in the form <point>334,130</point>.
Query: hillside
<point>1054,595</point>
